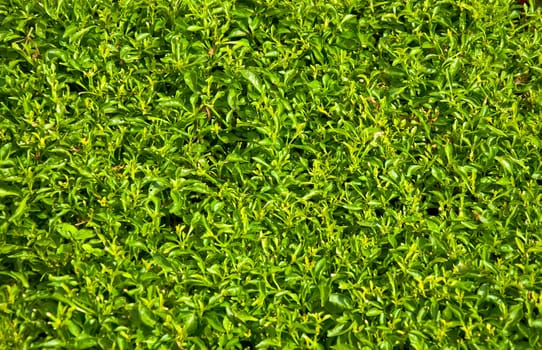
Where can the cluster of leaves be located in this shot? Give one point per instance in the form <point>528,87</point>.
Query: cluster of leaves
<point>270,174</point>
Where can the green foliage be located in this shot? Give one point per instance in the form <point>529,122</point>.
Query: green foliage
<point>270,174</point>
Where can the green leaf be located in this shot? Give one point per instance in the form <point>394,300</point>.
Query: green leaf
<point>253,78</point>
<point>340,301</point>
<point>267,343</point>
<point>191,324</point>
<point>53,343</point>
<point>83,234</point>
<point>7,191</point>
<point>18,276</point>
<point>170,102</point>
<point>374,312</point>
<point>85,342</point>
<point>514,316</point>
<point>505,164</point>
<point>145,315</point>
<point>339,330</point>
<point>21,208</point>
<point>190,78</point>
<point>438,173</point>
<point>67,231</point>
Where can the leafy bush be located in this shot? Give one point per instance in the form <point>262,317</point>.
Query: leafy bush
<point>270,174</point>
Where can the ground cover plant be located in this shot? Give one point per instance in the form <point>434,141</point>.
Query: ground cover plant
<point>270,174</point>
